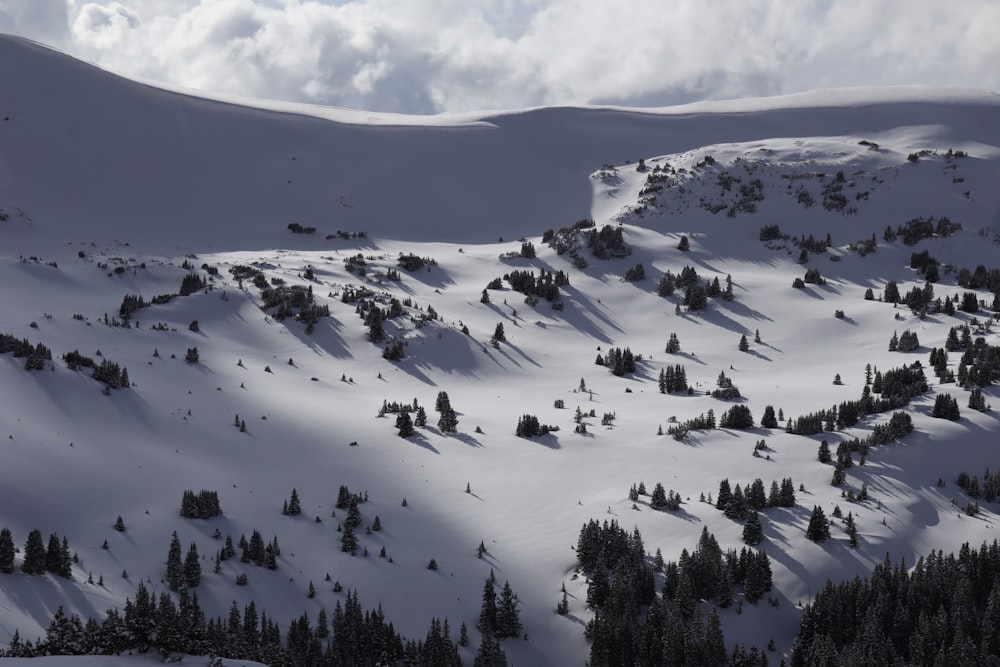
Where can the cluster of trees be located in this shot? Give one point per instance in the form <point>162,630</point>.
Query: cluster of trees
<point>448,421</point>
<point>946,610</point>
<point>619,361</point>
<point>499,619</point>
<point>37,558</point>
<point>412,262</point>
<point>673,379</point>
<point>633,624</point>
<point>737,502</point>
<point>724,388</point>
<point>661,499</point>
<point>988,489</point>
<point>545,286</point>
<point>945,407</point>
<point>186,573</point>
<point>917,229</point>
<point>35,355</point>
<point>703,422</point>
<point>607,243</point>
<point>293,301</point>
<point>192,283</point>
<point>736,417</point>
<point>203,505</point>
<point>347,637</point>
<point>528,426</point>
<point>897,386</point>
<point>907,342</point>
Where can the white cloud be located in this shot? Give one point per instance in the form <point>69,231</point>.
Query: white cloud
<point>435,55</point>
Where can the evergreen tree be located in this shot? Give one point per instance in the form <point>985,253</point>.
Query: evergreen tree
<point>53,554</point>
<point>673,344</point>
<point>819,528</point>
<point>421,418</point>
<point>120,524</point>
<point>175,567</point>
<point>498,334</point>
<point>490,654</point>
<point>659,498</point>
<point>192,567</point>
<point>945,407</point>
<point>448,423</point>
<point>824,452</point>
<point>404,424</point>
<point>508,622</point>
<point>7,551</point>
<point>744,346</point>
<point>294,506</point>
<point>488,610</point>
<point>768,420</point>
<point>684,245</point>
<point>753,532</point>
<point>851,529</point>
<point>348,540</point>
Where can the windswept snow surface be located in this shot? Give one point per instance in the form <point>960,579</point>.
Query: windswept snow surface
<point>98,173</point>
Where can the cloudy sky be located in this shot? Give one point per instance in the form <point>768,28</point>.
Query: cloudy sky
<point>429,56</point>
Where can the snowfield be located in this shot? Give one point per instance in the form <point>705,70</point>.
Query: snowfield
<point>110,186</point>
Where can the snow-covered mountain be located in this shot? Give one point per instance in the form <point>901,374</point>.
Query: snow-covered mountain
<point>111,188</point>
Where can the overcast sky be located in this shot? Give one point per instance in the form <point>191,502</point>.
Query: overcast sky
<point>429,56</point>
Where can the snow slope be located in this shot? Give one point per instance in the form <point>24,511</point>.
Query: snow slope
<point>98,172</point>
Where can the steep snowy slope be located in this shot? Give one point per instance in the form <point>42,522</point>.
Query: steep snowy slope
<point>115,188</point>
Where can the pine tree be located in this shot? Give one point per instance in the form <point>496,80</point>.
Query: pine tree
<point>562,608</point>
<point>744,346</point>
<point>490,654</point>
<point>404,424</point>
<point>852,530</point>
<point>824,452</point>
<point>753,532</point>
<point>673,344</point>
<point>192,567</point>
<point>421,419</point>
<point>463,635</point>
<point>498,334</point>
<point>819,528</point>
<point>53,555</point>
<point>768,420</point>
<point>120,524</point>
<point>348,541</point>
<point>7,551</point>
<point>294,506</point>
<point>488,611</point>
<point>175,568</point>
<point>508,622</point>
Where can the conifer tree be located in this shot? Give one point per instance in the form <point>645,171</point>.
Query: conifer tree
<point>744,346</point>
<point>490,654</point>
<point>175,568</point>
<point>508,621</point>
<point>294,506</point>
<point>404,424</point>
<point>851,529</point>
<point>7,551</point>
<point>753,532</point>
<point>348,541</point>
<point>768,420</point>
<point>819,528</point>
<point>488,610</point>
<point>192,567</point>
<point>34,554</point>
